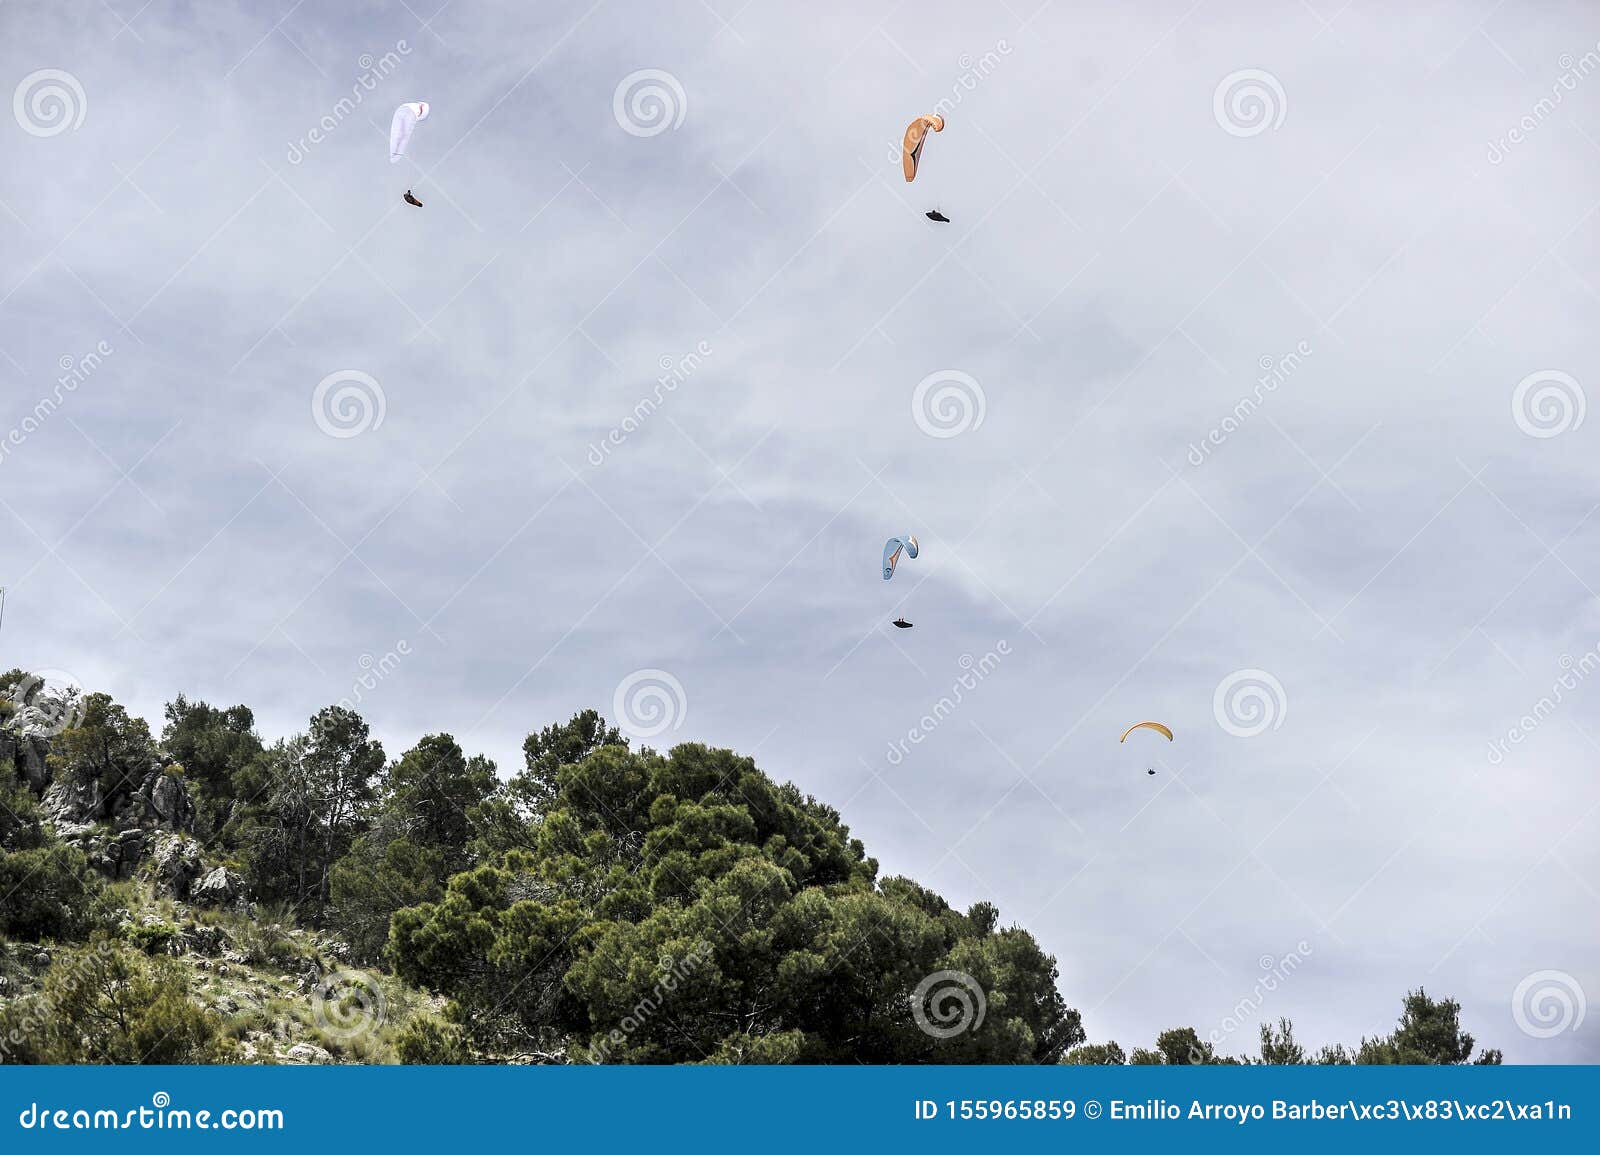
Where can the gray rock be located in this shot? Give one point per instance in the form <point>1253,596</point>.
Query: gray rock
<point>307,1053</point>
<point>73,801</point>
<point>130,849</point>
<point>219,887</point>
<point>205,940</point>
<point>175,863</point>
<point>164,800</point>
<point>161,800</point>
<point>46,718</point>
<point>27,753</point>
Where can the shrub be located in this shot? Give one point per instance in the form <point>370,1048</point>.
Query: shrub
<point>114,1005</point>
<point>152,938</point>
<point>428,1040</point>
<point>265,942</point>
<point>24,1030</point>
<point>48,893</point>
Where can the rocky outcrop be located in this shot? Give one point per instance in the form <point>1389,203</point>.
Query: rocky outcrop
<point>113,853</point>
<point>163,801</point>
<point>306,1054</point>
<point>73,801</point>
<point>207,941</point>
<point>218,887</point>
<point>24,749</point>
<point>122,828</point>
<point>130,846</point>
<point>115,832</point>
<point>175,863</point>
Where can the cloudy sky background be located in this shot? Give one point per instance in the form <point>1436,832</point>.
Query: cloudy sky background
<point>1382,536</point>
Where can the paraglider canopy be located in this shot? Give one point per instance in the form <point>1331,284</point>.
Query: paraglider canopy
<point>892,550</point>
<point>916,135</point>
<point>406,119</point>
<point>1156,726</point>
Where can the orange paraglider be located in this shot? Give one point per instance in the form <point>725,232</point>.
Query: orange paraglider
<point>1156,726</point>
<point>916,136</point>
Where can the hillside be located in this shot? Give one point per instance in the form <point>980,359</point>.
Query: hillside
<point>270,991</point>
<point>208,896</point>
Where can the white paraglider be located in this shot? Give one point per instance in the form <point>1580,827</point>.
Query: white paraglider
<point>405,121</point>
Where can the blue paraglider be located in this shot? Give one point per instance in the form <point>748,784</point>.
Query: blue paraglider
<point>892,549</point>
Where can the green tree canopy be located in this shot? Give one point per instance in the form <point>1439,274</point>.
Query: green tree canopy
<point>433,793</point>
<point>108,748</point>
<point>219,752</point>
<point>1429,1033</point>
<point>47,889</point>
<point>420,835</point>
<point>1278,1046</point>
<point>107,1003</point>
<point>683,907</point>
<point>1095,1055</point>
<point>322,787</point>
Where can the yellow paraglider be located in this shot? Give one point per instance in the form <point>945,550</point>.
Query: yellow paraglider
<point>916,135</point>
<point>1156,726</point>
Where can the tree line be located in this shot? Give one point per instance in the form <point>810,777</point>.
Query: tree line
<point>600,904</point>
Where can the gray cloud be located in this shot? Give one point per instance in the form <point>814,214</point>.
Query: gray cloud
<point>1376,530</point>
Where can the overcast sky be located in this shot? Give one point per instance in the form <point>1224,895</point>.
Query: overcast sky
<point>1389,552</point>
